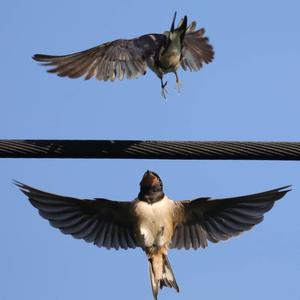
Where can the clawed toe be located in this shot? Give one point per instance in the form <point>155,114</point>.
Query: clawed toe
<point>178,86</point>
<point>164,90</point>
<point>178,83</point>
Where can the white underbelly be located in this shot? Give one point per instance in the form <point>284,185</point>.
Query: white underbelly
<point>152,238</point>
<point>155,224</point>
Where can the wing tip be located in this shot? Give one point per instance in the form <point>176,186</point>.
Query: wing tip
<point>39,57</point>
<point>25,189</point>
<point>284,190</point>
<point>287,187</point>
<point>44,59</point>
<point>19,184</point>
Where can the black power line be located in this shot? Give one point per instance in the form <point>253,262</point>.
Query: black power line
<point>150,149</point>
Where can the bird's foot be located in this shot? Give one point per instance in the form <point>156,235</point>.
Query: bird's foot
<point>164,91</point>
<point>178,86</point>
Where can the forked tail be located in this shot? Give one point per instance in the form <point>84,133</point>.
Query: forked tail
<point>161,273</point>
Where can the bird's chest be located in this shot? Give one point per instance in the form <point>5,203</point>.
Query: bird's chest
<point>170,60</point>
<point>154,223</point>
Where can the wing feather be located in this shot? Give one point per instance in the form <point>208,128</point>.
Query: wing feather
<point>203,219</point>
<point>104,222</point>
<point>196,49</point>
<point>109,61</point>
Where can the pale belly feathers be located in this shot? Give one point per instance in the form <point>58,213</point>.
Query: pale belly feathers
<point>170,61</point>
<point>155,222</point>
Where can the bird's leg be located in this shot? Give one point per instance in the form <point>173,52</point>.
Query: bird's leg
<point>178,83</point>
<point>164,90</point>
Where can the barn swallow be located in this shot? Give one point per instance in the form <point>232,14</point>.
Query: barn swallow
<point>153,221</point>
<point>162,53</point>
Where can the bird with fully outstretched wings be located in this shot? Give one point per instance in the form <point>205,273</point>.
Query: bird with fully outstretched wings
<point>153,221</point>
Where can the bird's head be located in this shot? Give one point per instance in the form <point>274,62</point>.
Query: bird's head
<point>151,187</point>
<point>150,180</point>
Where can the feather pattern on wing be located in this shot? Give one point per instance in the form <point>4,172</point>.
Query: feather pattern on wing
<point>109,61</point>
<point>196,49</point>
<point>103,222</point>
<point>203,219</point>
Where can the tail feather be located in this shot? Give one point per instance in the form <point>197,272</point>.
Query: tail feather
<point>154,283</point>
<point>168,277</point>
<point>161,274</point>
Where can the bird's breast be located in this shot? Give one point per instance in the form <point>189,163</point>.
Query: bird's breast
<point>154,222</point>
<point>170,61</point>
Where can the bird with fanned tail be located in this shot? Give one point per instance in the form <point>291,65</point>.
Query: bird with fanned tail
<point>163,53</point>
<point>153,221</point>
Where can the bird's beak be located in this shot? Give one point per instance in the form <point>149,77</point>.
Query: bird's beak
<point>149,179</point>
<point>173,23</point>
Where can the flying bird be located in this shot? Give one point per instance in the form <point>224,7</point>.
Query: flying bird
<point>153,221</point>
<point>163,53</point>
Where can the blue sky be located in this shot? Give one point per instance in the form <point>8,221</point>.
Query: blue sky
<point>250,92</point>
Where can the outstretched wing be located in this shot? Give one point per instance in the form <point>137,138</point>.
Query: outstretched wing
<point>196,49</point>
<point>117,59</point>
<point>203,219</point>
<point>105,223</point>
